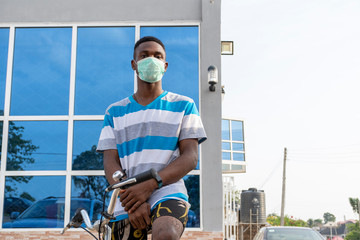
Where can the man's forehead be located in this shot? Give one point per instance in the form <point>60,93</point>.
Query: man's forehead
<point>150,46</point>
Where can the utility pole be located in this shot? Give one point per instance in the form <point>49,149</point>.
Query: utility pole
<point>283,190</point>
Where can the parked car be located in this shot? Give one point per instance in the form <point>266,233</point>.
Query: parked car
<point>49,213</point>
<point>287,233</point>
<point>12,204</point>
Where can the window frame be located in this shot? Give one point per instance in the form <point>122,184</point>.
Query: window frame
<point>71,117</point>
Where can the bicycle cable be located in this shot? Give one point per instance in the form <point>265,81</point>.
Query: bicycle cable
<point>89,232</point>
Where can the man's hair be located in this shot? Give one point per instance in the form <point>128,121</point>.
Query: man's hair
<point>148,39</point>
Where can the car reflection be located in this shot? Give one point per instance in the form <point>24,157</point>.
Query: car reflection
<point>49,213</point>
<point>13,204</point>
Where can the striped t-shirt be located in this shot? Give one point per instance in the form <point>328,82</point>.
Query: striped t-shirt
<point>148,137</point>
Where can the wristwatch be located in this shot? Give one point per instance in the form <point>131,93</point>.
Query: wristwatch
<point>158,180</point>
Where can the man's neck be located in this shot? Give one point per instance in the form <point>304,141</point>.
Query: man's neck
<point>147,93</point>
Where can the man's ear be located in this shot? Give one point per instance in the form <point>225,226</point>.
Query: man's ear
<point>166,65</point>
<point>133,65</point>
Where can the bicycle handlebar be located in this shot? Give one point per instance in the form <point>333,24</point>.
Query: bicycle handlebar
<point>142,177</point>
<point>82,216</point>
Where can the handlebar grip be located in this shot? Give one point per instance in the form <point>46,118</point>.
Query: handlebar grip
<point>141,177</point>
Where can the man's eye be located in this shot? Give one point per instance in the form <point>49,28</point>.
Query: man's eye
<point>158,57</point>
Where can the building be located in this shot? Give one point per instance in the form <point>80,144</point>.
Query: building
<point>233,146</point>
<point>61,64</point>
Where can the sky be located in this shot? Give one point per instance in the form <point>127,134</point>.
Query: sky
<point>294,79</point>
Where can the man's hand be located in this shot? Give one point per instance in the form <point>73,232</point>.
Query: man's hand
<point>140,218</point>
<point>134,196</point>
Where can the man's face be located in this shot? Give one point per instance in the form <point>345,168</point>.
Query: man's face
<point>149,49</point>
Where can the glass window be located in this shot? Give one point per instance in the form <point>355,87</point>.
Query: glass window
<point>86,136</point>
<point>103,70</point>
<point>4,42</point>
<point>1,133</point>
<point>226,156</point>
<point>182,54</point>
<point>88,192</point>
<point>192,183</point>
<point>225,129</point>
<point>225,146</point>
<point>237,146</point>
<point>237,167</point>
<point>238,156</point>
<point>237,130</point>
<point>41,71</point>
<point>225,167</point>
<point>37,145</point>
<point>34,202</point>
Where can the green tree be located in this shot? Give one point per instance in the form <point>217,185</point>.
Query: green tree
<point>354,232</point>
<point>354,202</point>
<point>310,222</point>
<point>318,222</point>
<point>274,220</point>
<point>329,217</point>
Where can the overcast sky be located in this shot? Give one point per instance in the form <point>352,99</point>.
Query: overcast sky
<point>294,79</point>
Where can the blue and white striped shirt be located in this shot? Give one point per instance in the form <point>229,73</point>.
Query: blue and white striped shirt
<point>148,137</point>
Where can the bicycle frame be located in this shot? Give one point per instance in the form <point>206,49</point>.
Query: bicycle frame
<point>101,226</point>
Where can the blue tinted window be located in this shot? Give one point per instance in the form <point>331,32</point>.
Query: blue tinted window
<point>37,145</point>
<point>182,54</point>
<point>86,136</point>
<point>225,130</point>
<point>226,156</point>
<point>225,146</point>
<point>39,199</point>
<point>237,146</point>
<point>1,133</point>
<point>4,42</point>
<point>238,156</point>
<point>41,71</point>
<point>237,130</point>
<point>192,183</point>
<point>87,192</point>
<point>103,70</point>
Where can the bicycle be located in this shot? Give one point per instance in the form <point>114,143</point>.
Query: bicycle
<point>101,226</point>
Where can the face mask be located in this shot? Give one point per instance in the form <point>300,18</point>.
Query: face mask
<point>150,69</point>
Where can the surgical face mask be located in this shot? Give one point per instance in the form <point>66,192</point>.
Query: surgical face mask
<point>150,69</point>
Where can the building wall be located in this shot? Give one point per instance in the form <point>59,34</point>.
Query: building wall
<point>204,13</point>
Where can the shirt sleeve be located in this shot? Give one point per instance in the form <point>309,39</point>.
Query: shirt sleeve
<point>107,137</point>
<point>191,126</point>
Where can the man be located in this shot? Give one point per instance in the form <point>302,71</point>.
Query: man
<point>157,129</point>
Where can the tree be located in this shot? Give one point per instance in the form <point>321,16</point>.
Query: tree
<point>354,202</point>
<point>89,160</point>
<point>329,217</point>
<point>192,186</point>
<point>274,220</point>
<point>19,153</point>
<point>90,186</point>
<point>354,232</point>
<point>310,222</point>
<point>318,222</point>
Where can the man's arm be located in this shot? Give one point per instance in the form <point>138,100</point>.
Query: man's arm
<point>134,196</point>
<point>111,164</point>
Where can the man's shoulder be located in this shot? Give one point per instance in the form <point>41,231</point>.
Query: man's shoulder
<point>174,97</point>
<point>122,103</point>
